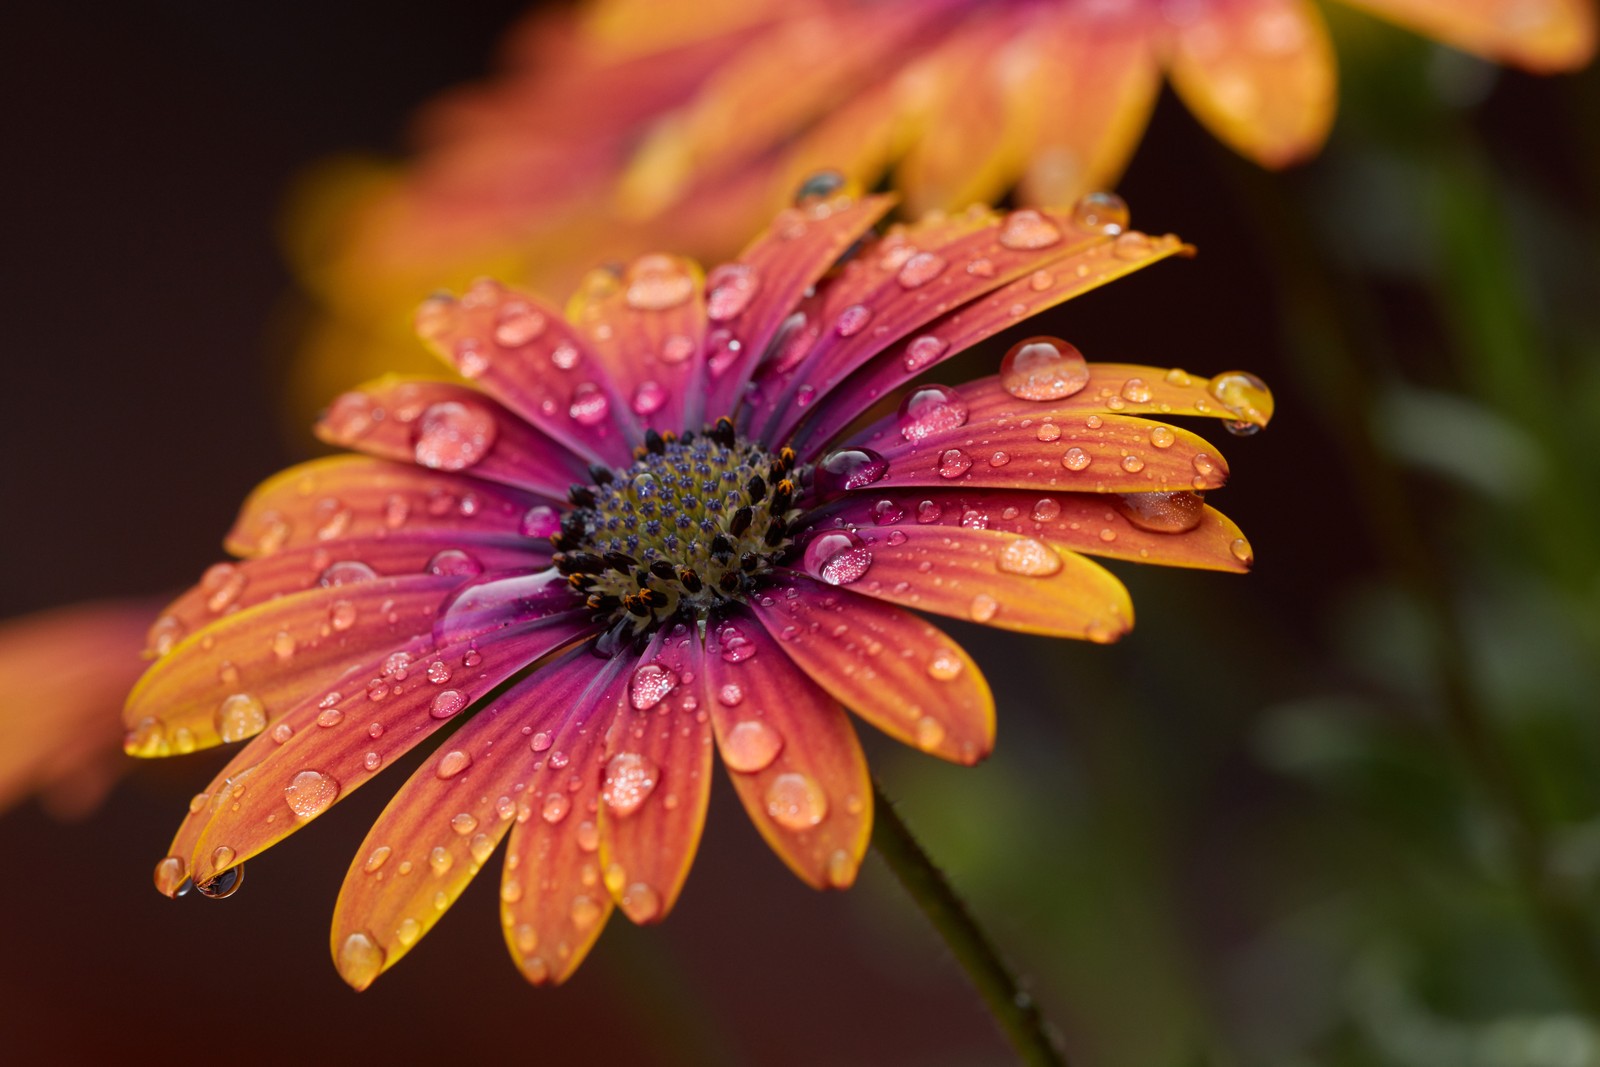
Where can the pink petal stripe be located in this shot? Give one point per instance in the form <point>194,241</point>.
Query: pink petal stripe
<point>888,666</point>
<point>444,426</point>
<point>228,680</point>
<point>525,354</point>
<point>499,600</point>
<point>1047,450</point>
<point>443,824</point>
<point>999,579</point>
<point>1030,286</point>
<point>749,299</point>
<point>329,746</point>
<point>657,778</point>
<point>358,497</point>
<point>647,326</point>
<point>791,753</point>
<point>1174,530</point>
<point>226,588</point>
<point>553,902</point>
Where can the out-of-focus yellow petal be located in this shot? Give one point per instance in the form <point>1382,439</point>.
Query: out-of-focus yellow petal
<point>1259,73</point>
<point>1541,35</point>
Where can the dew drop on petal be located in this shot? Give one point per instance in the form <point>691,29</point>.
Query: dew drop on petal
<point>640,903</point>
<point>1161,512</point>
<point>447,703</point>
<point>921,269</point>
<point>945,665</point>
<point>1136,391</point>
<point>1043,368</point>
<point>930,409</point>
<point>923,351</point>
<point>360,959</point>
<point>751,746</point>
<point>454,562</point>
<point>1132,464</point>
<point>658,282</point>
<point>1131,245</point>
<point>930,733</point>
<point>982,607</point>
<point>729,289</point>
<point>1162,437</point>
<point>1048,431</point>
<point>377,858</point>
<point>1242,551</point>
<point>887,512</point>
<point>310,793</point>
<point>555,808</point>
<point>837,557</point>
<point>650,684</point>
<point>453,435</point>
<point>648,398</point>
<point>453,763</point>
<point>589,406</point>
<point>1075,459</point>
<point>1029,557</point>
<point>953,463</point>
<point>541,741</point>
<point>841,869</point>
<point>795,801</point>
<point>541,520</point>
<point>1028,229</point>
<point>584,912</point>
<point>630,777</point>
<point>1105,213</point>
<point>240,716</point>
<point>517,324</point>
<point>225,884</point>
<point>849,468</point>
<point>852,320</point>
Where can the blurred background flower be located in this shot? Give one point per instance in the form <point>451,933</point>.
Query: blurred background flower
<point>1249,833</point>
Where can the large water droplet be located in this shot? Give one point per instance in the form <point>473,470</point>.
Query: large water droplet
<point>1043,368</point>
<point>453,763</point>
<point>447,703</point>
<point>1075,459</point>
<point>1029,557</point>
<point>930,409</point>
<point>953,463</point>
<point>1243,395</point>
<point>796,802</point>
<point>849,468</point>
<point>1161,512</point>
<point>310,793</point>
<point>360,960</point>
<point>224,885</point>
<point>589,406</point>
<point>751,746</point>
<point>657,282</point>
<point>728,291</point>
<point>983,607</point>
<point>240,716</point>
<point>453,435</point>
<point>1028,229</point>
<point>630,776</point>
<point>852,320</point>
<point>838,557</point>
<point>1105,213</point>
<point>921,269</point>
<point>650,684</point>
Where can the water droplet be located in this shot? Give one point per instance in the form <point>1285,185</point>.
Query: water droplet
<point>1043,368</point>
<point>629,779</point>
<point>310,793</point>
<point>447,703</point>
<point>1242,551</point>
<point>1161,512</point>
<point>640,903</point>
<point>1029,557</point>
<point>555,808</point>
<point>541,741</point>
<point>923,351</point>
<point>541,520</point>
<point>819,186</point>
<point>223,885</point>
<point>440,859</point>
<point>945,665</point>
<point>657,282</point>
<point>221,856</point>
<point>453,763</point>
<point>1028,229</point>
<point>921,269</point>
<point>240,716</point>
<point>1136,391</point>
<point>650,684</point>
<point>729,289</point>
<point>795,801</point>
<point>360,960</point>
<point>838,557</point>
<point>464,823</point>
<point>171,874</point>
<point>350,417</point>
<point>953,463</point>
<point>454,562</point>
<point>849,468</point>
<point>1131,245</point>
<point>982,267</point>
<point>407,932</point>
<point>930,409</point>
<point>222,583</point>
<point>518,323</point>
<point>1075,459</point>
<point>751,746</point>
<point>887,512</point>
<point>1105,213</point>
<point>983,607</point>
<point>852,320</point>
<point>930,733</point>
<point>453,435</point>
<point>841,869</point>
<point>648,398</point>
<point>589,405</point>
<point>736,647</point>
<point>928,511</point>
<point>377,858</point>
<point>1132,464</point>
<point>584,911</point>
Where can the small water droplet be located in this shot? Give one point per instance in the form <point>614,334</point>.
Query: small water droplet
<point>517,324</point>
<point>953,463</point>
<point>1136,391</point>
<point>640,903</point>
<point>1131,245</point>
<point>1043,368</point>
<point>589,406</point>
<point>852,320</point>
<point>377,858</point>
<point>648,398</point>
<point>887,512</point>
<point>224,885</point>
<point>1105,213</point>
<point>453,763</point>
<point>584,911</point>
<point>1075,459</point>
<point>838,557</point>
<point>1132,464</point>
<point>923,351</point>
<point>982,607</point>
<point>541,741</point>
<point>447,703</point>
<point>453,435</point>
<point>1242,551</point>
<point>555,807</point>
<point>658,282</point>
<point>849,468</point>
<point>930,733</point>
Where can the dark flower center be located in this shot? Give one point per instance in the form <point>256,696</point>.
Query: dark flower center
<point>693,522</point>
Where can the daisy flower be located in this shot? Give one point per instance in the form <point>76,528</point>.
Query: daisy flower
<point>687,515</point>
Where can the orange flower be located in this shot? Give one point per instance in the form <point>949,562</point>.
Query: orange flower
<point>668,522</point>
<point>684,124</point>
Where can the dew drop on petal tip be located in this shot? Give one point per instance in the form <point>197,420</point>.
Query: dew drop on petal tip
<point>640,903</point>
<point>1043,368</point>
<point>1245,396</point>
<point>1105,213</point>
<point>360,959</point>
<point>1242,551</point>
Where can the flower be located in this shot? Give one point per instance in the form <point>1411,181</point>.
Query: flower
<point>676,518</point>
<point>641,124</point>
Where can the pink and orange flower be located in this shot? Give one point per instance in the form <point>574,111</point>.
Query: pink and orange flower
<point>691,514</point>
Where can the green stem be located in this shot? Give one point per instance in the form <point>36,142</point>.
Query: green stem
<point>1014,1011</point>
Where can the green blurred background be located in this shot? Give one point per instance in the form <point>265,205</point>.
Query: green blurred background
<point>1341,811</point>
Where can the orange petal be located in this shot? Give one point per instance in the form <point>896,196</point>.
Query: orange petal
<point>791,753</point>
<point>449,427</point>
<point>1258,73</point>
<point>891,668</point>
<point>657,779</point>
<point>1542,35</point>
<point>1094,96</point>
<point>553,902</point>
<point>356,497</point>
<point>986,576</point>
<point>443,824</point>
<point>229,679</point>
<point>1171,529</point>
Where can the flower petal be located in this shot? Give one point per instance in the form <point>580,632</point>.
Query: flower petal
<point>658,779</point>
<point>647,326</point>
<point>986,576</point>
<point>1094,99</point>
<point>358,497</point>
<point>442,825</point>
<point>891,668</point>
<point>791,753</point>
<point>226,681</point>
<point>1172,529</point>
<point>525,354</point>
<point>750,298</point>
<point>444,426</point>
<point>553,902</point>
<point>1544,36</point>
<point>330,745</point>
<point>1258,73</point>
<point>1030,281</point>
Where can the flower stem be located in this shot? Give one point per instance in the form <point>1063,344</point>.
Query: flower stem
<point>1014,1011</point>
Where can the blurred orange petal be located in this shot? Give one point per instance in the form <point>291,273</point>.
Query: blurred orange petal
<point>1544,36</point>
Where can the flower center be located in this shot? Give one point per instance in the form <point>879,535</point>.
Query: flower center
<point>693,522</point>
